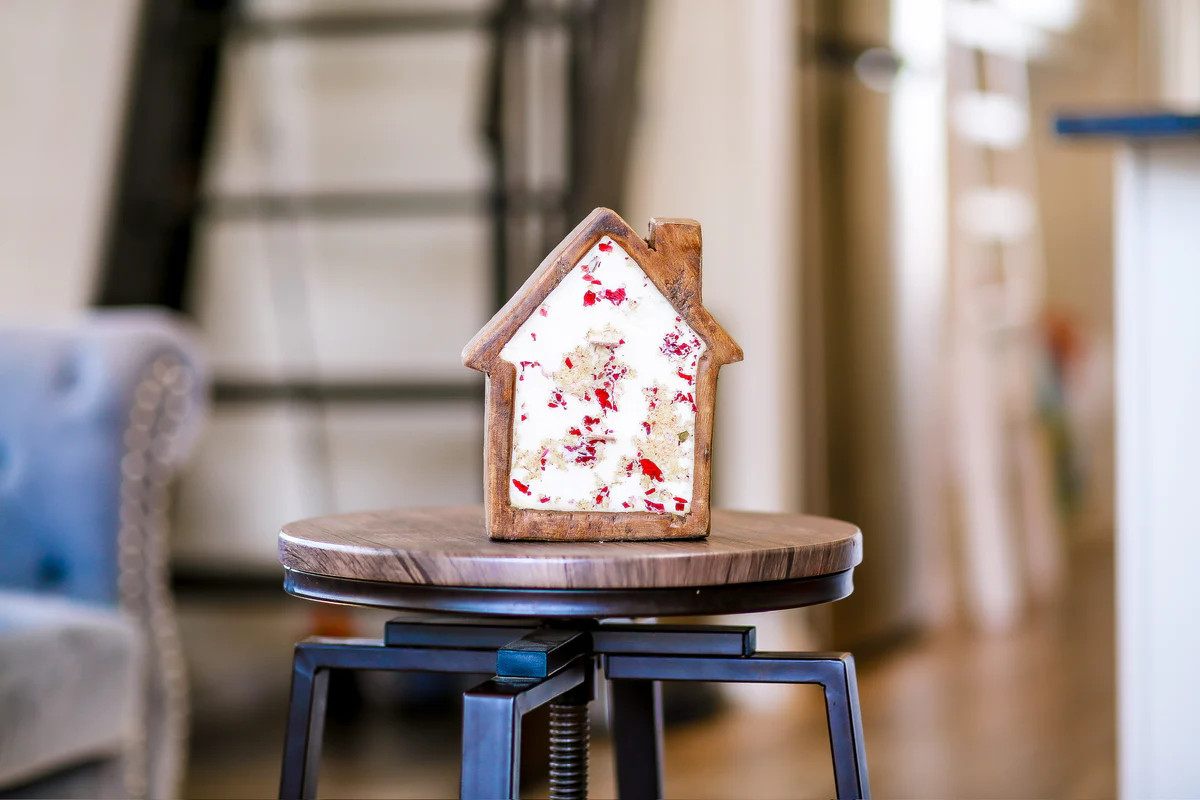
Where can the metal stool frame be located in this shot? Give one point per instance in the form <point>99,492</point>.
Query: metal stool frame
<point>543,660</point>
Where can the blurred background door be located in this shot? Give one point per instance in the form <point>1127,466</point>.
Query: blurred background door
<point>874,271</point>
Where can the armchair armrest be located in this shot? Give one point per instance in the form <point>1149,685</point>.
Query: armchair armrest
<point>95,419</point>
<point>75,405</point>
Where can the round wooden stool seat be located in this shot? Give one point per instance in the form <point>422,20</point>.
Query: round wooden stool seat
<point>442,559</point>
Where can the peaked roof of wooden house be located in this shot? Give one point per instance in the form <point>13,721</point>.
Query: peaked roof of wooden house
<point>670,257</point>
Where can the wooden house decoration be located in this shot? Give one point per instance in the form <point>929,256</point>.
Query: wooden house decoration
<point>601,379</point>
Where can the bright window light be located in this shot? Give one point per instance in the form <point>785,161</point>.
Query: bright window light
<point>1056,16</point>
<point>998,214</point>
<point>984,26</point>
<point>991,119</point>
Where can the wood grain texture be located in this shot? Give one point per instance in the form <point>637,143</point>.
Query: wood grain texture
<point>450,547</point>
<point>671,258</point>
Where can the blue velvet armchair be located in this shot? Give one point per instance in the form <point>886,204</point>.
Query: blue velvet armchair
<point>94,421</point>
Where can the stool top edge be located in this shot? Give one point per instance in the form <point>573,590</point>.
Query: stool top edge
<point>449,547</point>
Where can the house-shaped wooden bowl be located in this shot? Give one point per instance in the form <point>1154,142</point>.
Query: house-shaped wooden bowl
<point>601,379</point>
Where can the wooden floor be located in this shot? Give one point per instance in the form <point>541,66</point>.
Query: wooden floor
<point>1024,714</point>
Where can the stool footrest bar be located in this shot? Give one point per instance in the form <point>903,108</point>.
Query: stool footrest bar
<point>758,668</point>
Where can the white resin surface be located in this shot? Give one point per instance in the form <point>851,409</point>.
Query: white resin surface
<point>605,399</point>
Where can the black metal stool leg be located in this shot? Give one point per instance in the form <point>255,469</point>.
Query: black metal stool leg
<point>313,659</point>
<point>492,714</point>
<point>491,745</point>
<point>845,730</point>
<point>635,709</point>
<point>833,671</point>
<point>305,728</point>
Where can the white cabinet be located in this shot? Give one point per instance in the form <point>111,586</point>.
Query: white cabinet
<point>1157,285</point>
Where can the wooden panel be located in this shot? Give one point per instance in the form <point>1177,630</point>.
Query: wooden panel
<point>450,547</point>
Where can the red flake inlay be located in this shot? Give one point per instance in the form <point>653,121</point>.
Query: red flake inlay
<point>523,418</point>
<point>522,488</point>
<point>653,506</point>
<point>685,376</point>
<point>589,298</point>
<point>569,364</point>
<point>650,469</point>
<point>525,364</point>
<point>605,247</point>
<point>602,397</point>
<point>542,311</point>
<point>646,425</point>
<point>680,397</point>
<point>543,499</point>
<point>675,345</point>
<point>587,454</point>
<point>616,297</point>
<point>574,432</point>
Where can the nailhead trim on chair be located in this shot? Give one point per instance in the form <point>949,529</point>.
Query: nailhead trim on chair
<point>162,401</point>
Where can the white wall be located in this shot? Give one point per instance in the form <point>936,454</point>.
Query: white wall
<point>717,142</point>
<point>62,85</point>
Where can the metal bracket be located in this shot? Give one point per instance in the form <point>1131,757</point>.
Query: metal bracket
<point>606,639</point>
<point>541,652</point>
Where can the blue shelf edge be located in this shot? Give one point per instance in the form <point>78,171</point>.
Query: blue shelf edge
<point>1145,125</point>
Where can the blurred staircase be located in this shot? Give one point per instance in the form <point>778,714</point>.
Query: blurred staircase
<point>340,194</point>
